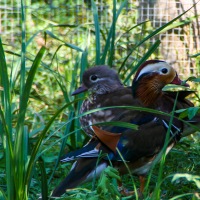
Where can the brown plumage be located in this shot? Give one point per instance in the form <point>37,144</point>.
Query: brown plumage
<point>106,90</point>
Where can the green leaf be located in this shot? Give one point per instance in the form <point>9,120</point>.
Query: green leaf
<point>183,113</point>
<point>194,79</point>
<point>178,24</point>
<point>32,38</point>
<point>178,197</point>
<point>192,111</point>
<point>188,112</point>
<point>105,186</point>
<point>195,55</point>
<point>65,43</point>
<point>189,177</point>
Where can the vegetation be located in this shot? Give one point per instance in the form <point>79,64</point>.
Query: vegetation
<point>39,118</point>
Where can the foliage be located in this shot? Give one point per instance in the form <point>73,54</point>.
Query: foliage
<point>39,118</point>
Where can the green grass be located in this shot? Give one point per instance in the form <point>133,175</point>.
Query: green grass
<point>39,117</point>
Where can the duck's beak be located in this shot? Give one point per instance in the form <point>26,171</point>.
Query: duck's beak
<point>81,89</point>
<point>178,81</point>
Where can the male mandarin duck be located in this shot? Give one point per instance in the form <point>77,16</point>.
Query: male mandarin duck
<point>138,147</point>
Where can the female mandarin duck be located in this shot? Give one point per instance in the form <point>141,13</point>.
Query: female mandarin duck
<point>138,147</point>
<point>106,90</point>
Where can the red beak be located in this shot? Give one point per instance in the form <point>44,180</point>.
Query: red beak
<point>178,81</point>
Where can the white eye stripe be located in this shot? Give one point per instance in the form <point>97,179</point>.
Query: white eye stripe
<point>98,79</point>
<point>156,67</point>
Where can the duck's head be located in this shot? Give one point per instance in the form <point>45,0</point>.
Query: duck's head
<point>151,77</point>
<point>99,80</point>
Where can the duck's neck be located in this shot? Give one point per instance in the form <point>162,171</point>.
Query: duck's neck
<point>105,89</point>
<point>147,91</point>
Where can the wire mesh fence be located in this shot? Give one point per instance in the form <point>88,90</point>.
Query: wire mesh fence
<point>177,45</point>
<point>9,19</point>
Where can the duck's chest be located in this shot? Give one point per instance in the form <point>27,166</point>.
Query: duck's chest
<point>97,115</point>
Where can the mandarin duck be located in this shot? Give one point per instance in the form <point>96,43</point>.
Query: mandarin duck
<point>107,90</point>
<point>140,147</point>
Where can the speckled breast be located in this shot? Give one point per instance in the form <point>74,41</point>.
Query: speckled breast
<point>95,117</point>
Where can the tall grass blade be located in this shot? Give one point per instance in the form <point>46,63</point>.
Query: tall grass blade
<point>129,30</point>
<point>2,195</point>
<point>72,46</point>
<point>54,55</point>
<point>149,110</point>
<point>19,146</point>
<point>73,108</point>
<point>32,38</point>
<point>129,171</point>
<point>107,45</point>
<point>23,48</point>
<point>35,151</point>
<point>178,24</point>
<point>186,196</point>
<point>119,124</point>
<point>6,117</point>
<point>97,32</point>
<point>28,85</point>
<point>31,58</point>
<point>63,144</point>
<point>142,60</point>
<point>44,184</point>
<point>8,137</point>
<point>112,47</point>
<point>60,82</point>
<point>157,190</point>
<point>84,63</point>
<point>19,153</point>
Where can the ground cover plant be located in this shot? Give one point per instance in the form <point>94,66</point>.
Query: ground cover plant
<point>39,118</point>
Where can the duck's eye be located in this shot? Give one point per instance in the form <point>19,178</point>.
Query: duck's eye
<point>164,70</point>
<point>93,78</point>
